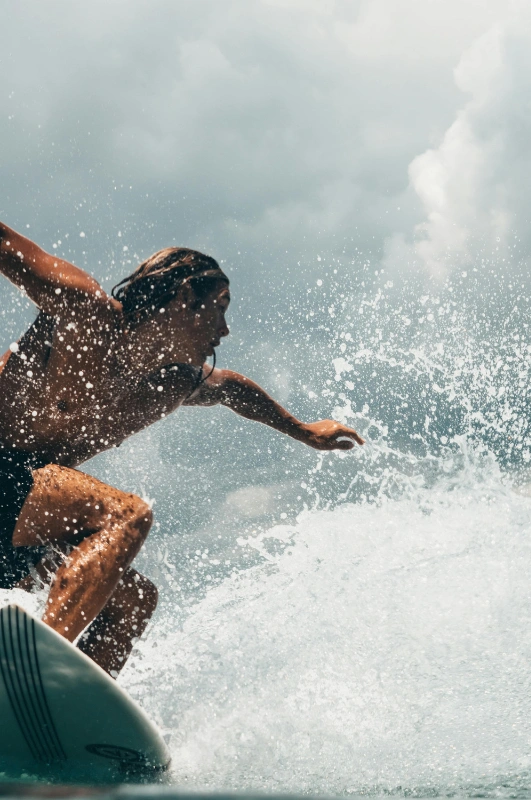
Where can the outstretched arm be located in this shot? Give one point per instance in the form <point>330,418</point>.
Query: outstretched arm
<point>48,281</point>
<point>249,400</point>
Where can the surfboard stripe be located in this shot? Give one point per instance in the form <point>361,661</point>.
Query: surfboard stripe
<point>31,672</point>
<point>23,680</point>
<point>24,684</point>
<point>43,701</point>
<point>6,676</point>
<point>8,668</point>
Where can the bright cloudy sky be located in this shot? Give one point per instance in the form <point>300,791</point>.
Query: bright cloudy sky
<point>276,135</point>
<point>266,130</point>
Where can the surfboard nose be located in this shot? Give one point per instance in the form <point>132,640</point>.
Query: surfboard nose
<point>64,715</point>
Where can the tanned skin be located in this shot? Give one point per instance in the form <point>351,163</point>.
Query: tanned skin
<point>81,382</point>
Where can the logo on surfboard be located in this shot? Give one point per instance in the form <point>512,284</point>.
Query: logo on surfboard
<point>129,760</point>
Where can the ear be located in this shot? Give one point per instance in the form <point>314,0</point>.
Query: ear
<point>186,296</point>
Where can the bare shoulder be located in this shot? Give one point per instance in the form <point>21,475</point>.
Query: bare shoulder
<point>50,282</point>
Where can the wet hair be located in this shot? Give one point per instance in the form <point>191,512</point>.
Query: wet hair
<point>159,278</point>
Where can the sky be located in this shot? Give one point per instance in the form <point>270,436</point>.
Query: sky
<point>287,138</point>
<point>265,130</point>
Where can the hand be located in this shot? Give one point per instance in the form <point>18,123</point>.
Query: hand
<point>329,435</point>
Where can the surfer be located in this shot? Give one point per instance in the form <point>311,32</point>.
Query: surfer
<point>90,371</point>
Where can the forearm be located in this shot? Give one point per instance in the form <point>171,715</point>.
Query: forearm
<point>249,400</point>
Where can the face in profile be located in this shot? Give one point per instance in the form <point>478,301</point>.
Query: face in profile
<point>197,325</point>
<point>210,325</point>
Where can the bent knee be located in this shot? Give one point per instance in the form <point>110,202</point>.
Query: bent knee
<point>137,514</point>
<point>143,517</point>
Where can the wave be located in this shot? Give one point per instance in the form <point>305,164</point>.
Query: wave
<point>387,645</point>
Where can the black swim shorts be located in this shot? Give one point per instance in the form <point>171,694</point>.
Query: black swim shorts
<point>16,481</point>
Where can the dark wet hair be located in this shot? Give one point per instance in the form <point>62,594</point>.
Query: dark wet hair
<point>158,279</point>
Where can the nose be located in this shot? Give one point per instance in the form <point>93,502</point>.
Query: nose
<point>224,329</point>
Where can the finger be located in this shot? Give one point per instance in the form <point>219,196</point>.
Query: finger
<point>351,434</point>
<point>355,435</point>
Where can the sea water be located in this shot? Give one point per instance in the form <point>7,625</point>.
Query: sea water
<point>381,640</point>
<point>388,646</point>
<point>367,628</point>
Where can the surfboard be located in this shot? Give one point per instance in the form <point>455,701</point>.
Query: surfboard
<point>62,717</point>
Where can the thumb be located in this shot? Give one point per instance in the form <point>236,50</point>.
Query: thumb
<point>344,444</point>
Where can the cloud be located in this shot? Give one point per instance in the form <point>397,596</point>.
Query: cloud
<point>474,186</point>
<point>253,125</point>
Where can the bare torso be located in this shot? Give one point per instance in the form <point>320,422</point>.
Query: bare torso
<point>81,380</point>
<point>67,396</point>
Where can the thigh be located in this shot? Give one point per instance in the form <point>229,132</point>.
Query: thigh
<point>65,505</point>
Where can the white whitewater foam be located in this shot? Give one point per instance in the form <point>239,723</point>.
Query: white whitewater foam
<point>31,602</point>
<point>389,645</point>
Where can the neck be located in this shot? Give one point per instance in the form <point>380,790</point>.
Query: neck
<point>147,347</point>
